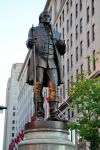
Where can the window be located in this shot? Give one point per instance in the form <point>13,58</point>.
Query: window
<point>78,108</point>
<point>70,2</point>
<point>71,19</point>
<point>13,113</point>
<point>63,33</point>
<point>72,113</point>
<point>76,53</point>
<point>87,14</point>
<point>93,32</point>
<point>56,26</point>
<point>13,122</point>
<point>67,6</point>
<point>68,113</point>
<point>51,12</point>
<point>67,25</point>
<point>94,61</point>
<point>81,25</point>
<point>80,5</point>
<point>63,70</point>
<point>81,48</point>
<point>88,39</point>
<point>68,86</point>
<point>76,31</point>
<point>76,10</point>
<point>13,128</point>
<point>60,21</point>
<point>71,60</point>
<point>88,64</point>
<point>12,134</point>
<point>71,40</point>
<point>77,74</point>
<point>68,45</point>
<point>67,65</point>
<point>72,78</point>
<point>55,7</point>
<point>81,69</point>
<point>63,15</point>
<point>93,8</point>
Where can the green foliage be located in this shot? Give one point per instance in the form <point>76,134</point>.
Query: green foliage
<point>86,93</point>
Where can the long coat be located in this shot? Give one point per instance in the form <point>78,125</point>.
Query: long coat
<point>39,34</point>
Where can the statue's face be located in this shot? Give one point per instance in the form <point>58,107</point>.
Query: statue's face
<point>45,17</point>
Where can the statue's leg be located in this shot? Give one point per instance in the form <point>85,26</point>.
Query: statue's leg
<point>38,92</point>
<point>53,95</point>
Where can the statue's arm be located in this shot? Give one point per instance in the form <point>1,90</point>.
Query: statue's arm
<point>61,46</point>
<point>30,42</point>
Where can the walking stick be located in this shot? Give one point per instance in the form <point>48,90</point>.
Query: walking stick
<point>34,75</point>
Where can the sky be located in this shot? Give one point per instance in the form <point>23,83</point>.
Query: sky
<point>16,17</point>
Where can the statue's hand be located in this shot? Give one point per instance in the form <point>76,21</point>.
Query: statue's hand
<point>30,44</point>
<point>61,46</point>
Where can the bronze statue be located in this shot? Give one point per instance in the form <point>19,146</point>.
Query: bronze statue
<point>44,65</point>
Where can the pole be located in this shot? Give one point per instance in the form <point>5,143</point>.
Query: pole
<point>34,67</point>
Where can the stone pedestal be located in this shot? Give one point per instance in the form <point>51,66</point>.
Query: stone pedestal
<point>46,135</point>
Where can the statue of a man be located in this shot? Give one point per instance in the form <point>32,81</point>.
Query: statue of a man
<point>48,49</point>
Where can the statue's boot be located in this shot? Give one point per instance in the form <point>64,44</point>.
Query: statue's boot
<point>53,106</point>
<point>40,111</point>
<point>39,100</point>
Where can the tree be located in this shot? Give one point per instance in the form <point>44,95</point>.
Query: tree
<point>85,93</point>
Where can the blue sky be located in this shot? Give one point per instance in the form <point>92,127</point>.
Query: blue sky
<point>16,17</point>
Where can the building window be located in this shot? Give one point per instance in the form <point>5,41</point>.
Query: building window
<point>68,86</point>
<point>81,48</point>
<point>63,15</point>
<point>88,64</point>
<point>78,108</point>
<point>68,45</point>
<point>71,60</point>
<point>71,19</point>
<point>93,8</point>
<point>67,65</point>
<point>67,6</point>
<point>88,39</point>
<point>81,25</point>
<point>81,69</point>
<point>13,128</point>
<point>80,5</point>
<point>94,61</point>
<point>76,72</point>
<point>93,32</point>
<point>60,21</point>
<point>71,40</point>
<point>87,14</point>
<point>55,7</point>
<point>70,3</point>
<point>72,113</point>
<point>12,134</point>
<point>63,33</point>
<point>76,31</point>
<point>67,25</point>
<point>76,54</point>
<point>13,122</point>
<point>63,70</point>
<point>13,113</point>
<point>68,113</point>
<point>14,108</point>
<point>76,10</point>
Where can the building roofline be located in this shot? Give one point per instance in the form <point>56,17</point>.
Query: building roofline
<point>47,4</point>
<point>23,65</point>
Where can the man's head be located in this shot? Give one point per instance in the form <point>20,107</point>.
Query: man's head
<point>45,17</point>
